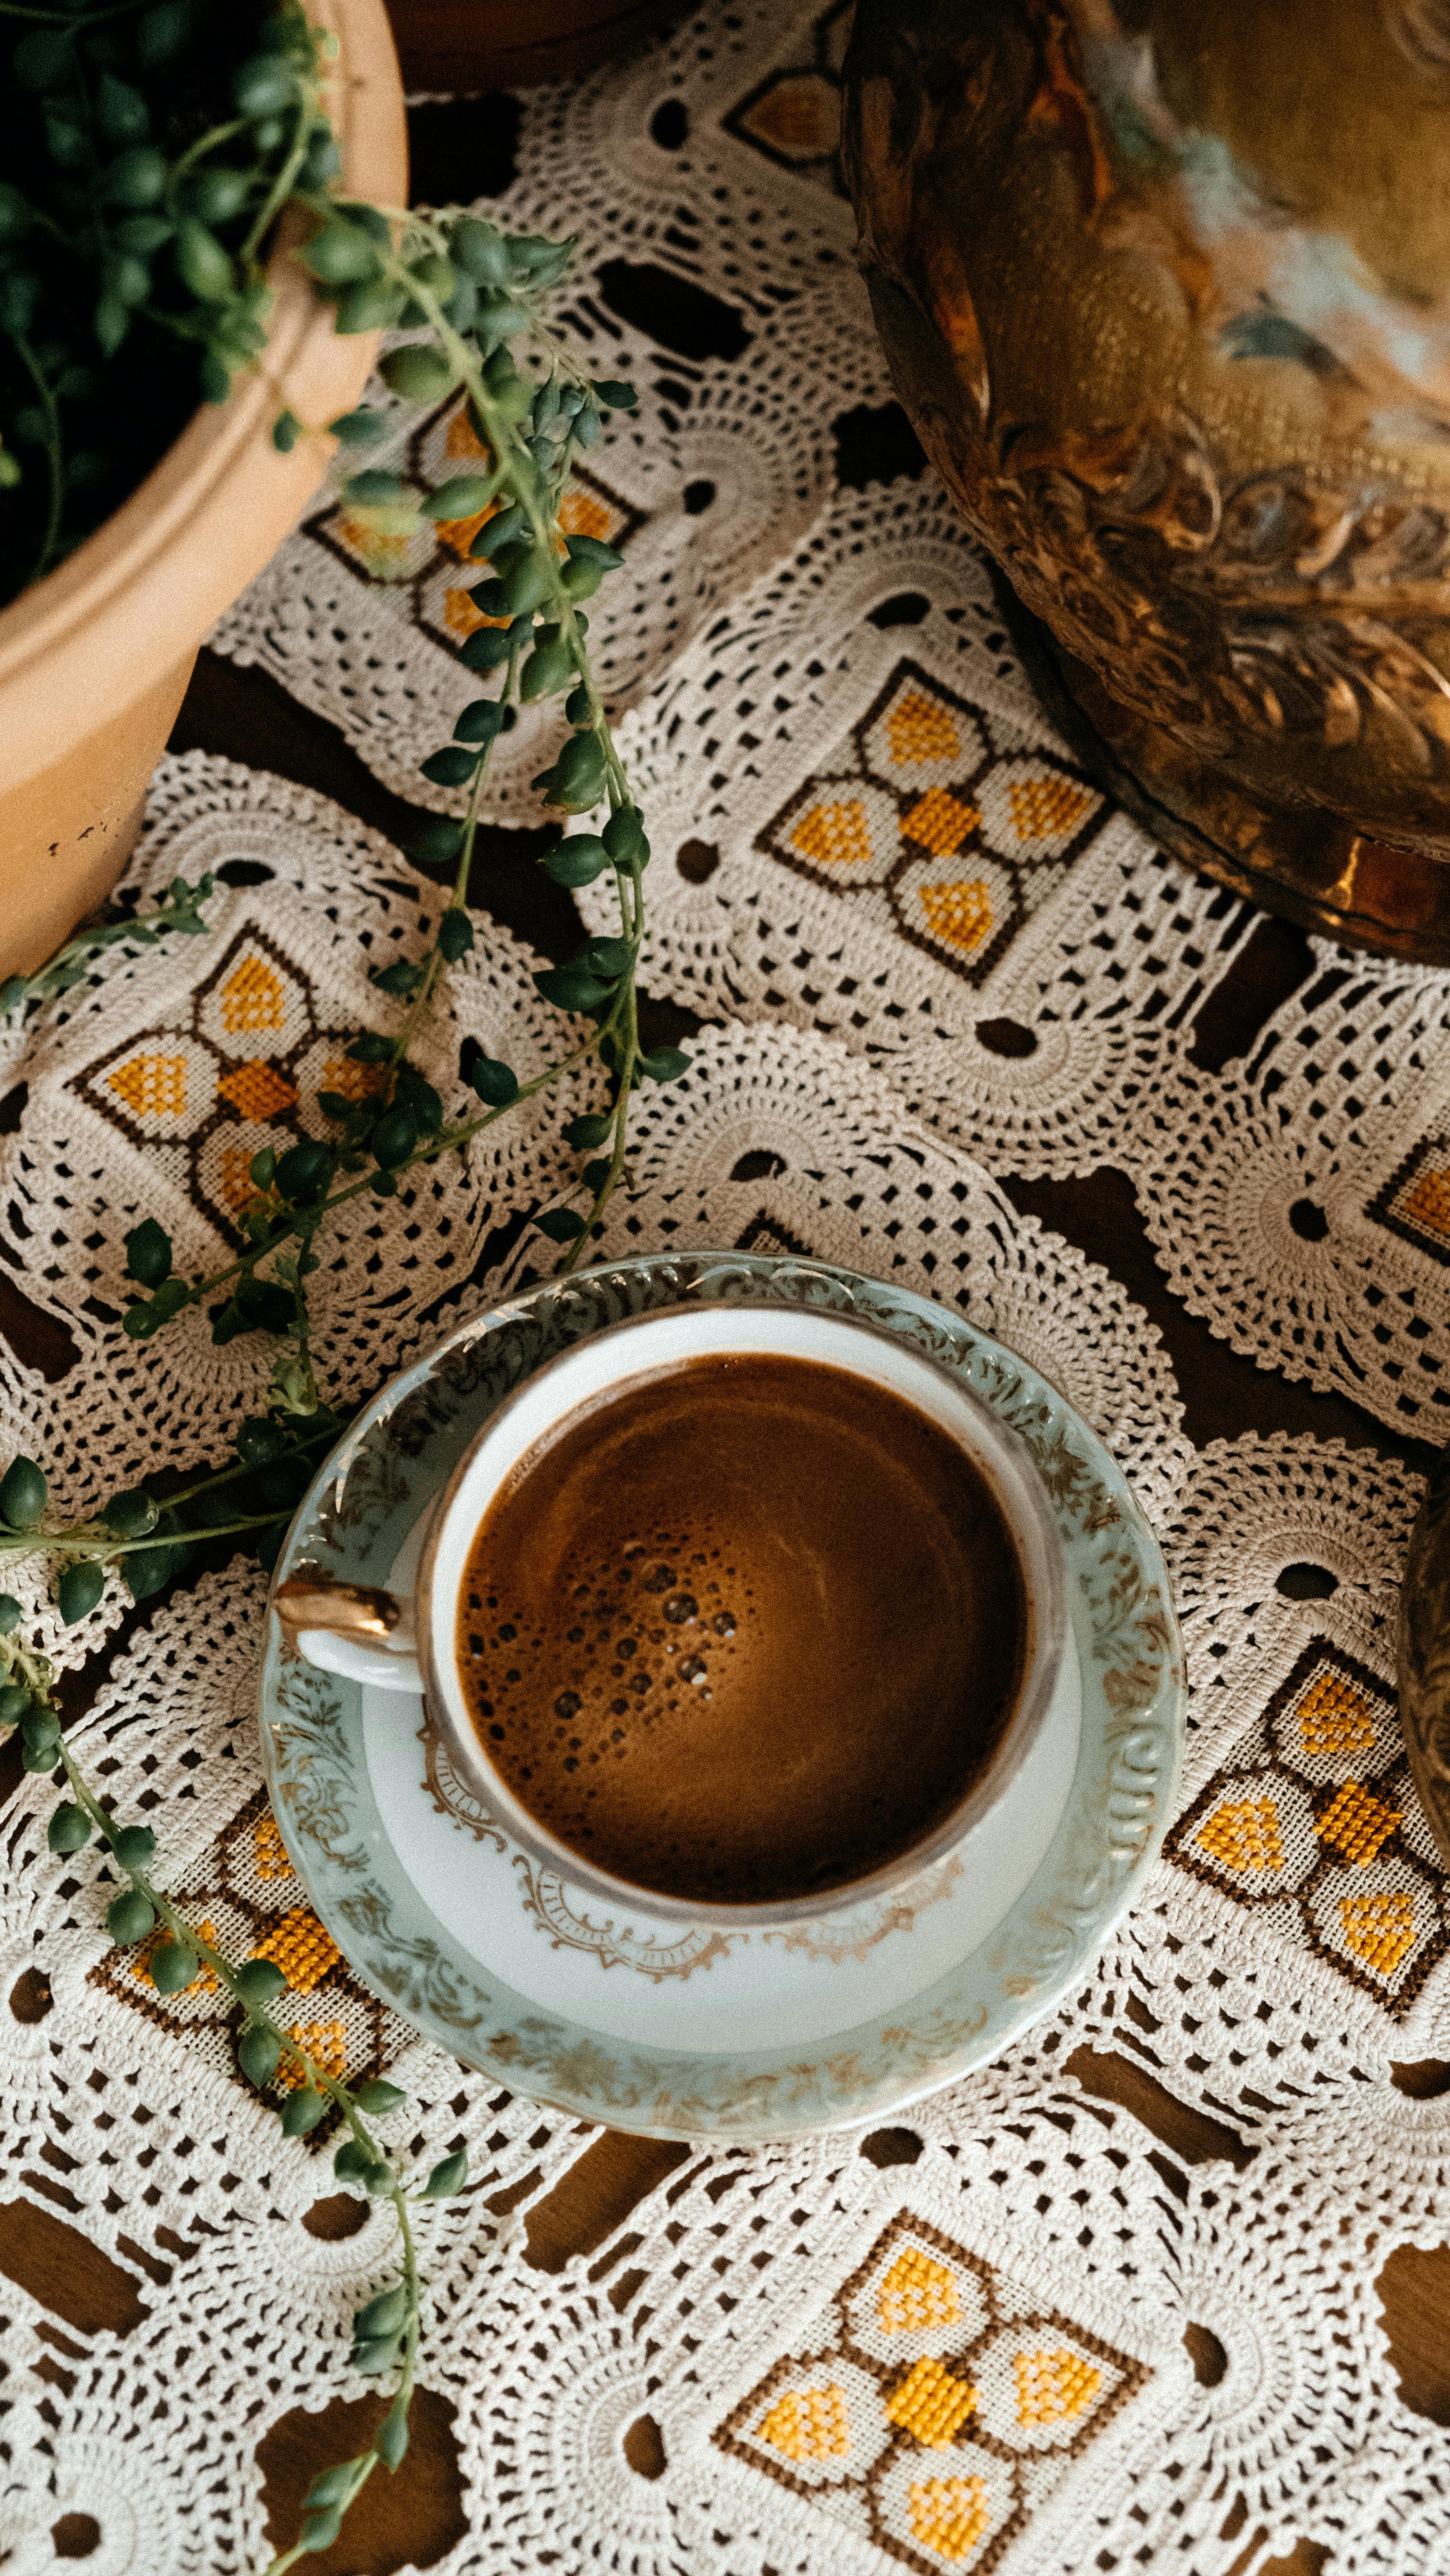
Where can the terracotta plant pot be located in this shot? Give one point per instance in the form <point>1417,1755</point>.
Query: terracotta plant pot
<point>94,659</point>
<point>1165,286</point>
<point>514,44</point>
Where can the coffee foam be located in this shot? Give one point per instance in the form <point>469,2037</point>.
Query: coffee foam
<point>742,1630</point>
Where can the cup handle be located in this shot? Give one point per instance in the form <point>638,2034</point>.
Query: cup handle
<point>357,1630</point>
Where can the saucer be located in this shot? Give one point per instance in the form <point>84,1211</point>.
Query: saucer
<point>690,2031</point>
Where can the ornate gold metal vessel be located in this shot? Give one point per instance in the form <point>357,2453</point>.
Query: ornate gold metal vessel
<point>1165,286</point>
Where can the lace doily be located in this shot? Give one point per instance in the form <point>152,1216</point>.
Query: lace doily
<point>1015,2334</point>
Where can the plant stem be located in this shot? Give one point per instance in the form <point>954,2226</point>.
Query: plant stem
<point>448,1140</point>
<point>52,451</point>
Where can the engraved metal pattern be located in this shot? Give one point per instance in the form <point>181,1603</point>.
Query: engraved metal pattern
<point>1228,499</point>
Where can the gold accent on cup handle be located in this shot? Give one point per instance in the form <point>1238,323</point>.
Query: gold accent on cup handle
<point>312,1598</point>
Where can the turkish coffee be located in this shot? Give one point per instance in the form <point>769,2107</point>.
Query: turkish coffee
<point>743,1629</point>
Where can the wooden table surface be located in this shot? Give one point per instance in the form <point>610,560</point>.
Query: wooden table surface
<point>416,2517</point>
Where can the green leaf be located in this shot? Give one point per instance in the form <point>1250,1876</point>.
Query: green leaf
<point>588,1132</point>
<point>258,2051</point>
<point>263,87</point>
<point>372,306</point>
<point>461,497</point>
<point>391,2438</point>
<point>435,845</point>
<point>24,1494</point>
<point>377,2097</point>
<point>302,2111</point>
<point>577,861</point>
<point>526,586</point>
<point>148,1253</point>
<point>341,254</point>
<point>134,1846</point>
<point>664,1064</point>
<point>394,1139</point>
<point>447,2177</point>
<point>320,2530</point>
<point>609,957</point>
<point>146,1569</point>
<point>11,1614</point>
<point>480,721</point>
<point>580,580</point>
<point>262,1169</point>
<point>561,1225</point>
<point>286,430</point>
<point>131,1515</point>
<point>120,111</point>
<point>449,767</point>
<point>40,1726</point>
<point>69,1828</point>
<point>504,529</point>
<point>549,669</point>
<point>79,1589</point>
<point>420,1100</point>
<point>351,2161</point>
<point>205,267</point>
<point>360,428</point>
<point>495,1084</point>
<point>259,1441</point>
<point>418,373</point>
<point>129,1917</point>
<point>399,978</point>
<point>161,34</point>
<point>373,487</point>
<point>387,2314</point>
<point>579,774</point>
<point>304,1170</point>
<point>455,935</point>
<point>377,2355</point>
<point>593,550</point>
<point>173,1967</point>
<point>615,395</point>
<point>486,649</point>
<point>134,179</point>
<point>478,249</point>
<point>378,2177</point>
<point>624,836</point>
<point>331,2486</point>
<point>217,196</point>
<point>15,1699</point>
<point>371,1048</point>
<point>260,1981</point>
<point>572,988</point>
<point>44,58</point>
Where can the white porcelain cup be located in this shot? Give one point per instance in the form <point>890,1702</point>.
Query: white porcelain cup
<point>410,1644</point>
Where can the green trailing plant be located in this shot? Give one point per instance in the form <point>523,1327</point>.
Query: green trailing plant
<point>475,301</point>
<point>166,219</point>
<point>178,910</point>
<point>387,2329</point>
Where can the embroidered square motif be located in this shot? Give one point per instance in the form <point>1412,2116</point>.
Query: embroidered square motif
<point>228,1078</point>
<point>1309,1818</point>
<point>1415,1201</point>
<point>941,2406</point>
<point>242,1895</point>
<point>931,828</point>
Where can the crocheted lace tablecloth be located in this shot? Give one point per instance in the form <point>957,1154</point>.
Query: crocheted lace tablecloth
<point>1014,2335</point>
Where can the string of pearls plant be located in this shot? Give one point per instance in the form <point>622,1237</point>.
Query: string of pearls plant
<point>473,298</point>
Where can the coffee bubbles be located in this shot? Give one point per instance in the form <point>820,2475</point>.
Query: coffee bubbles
<point>742,1631</point>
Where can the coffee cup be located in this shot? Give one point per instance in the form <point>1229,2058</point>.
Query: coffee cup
<point>418,1642</point>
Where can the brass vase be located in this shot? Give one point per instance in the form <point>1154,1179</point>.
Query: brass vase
<point>1165,287</point>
